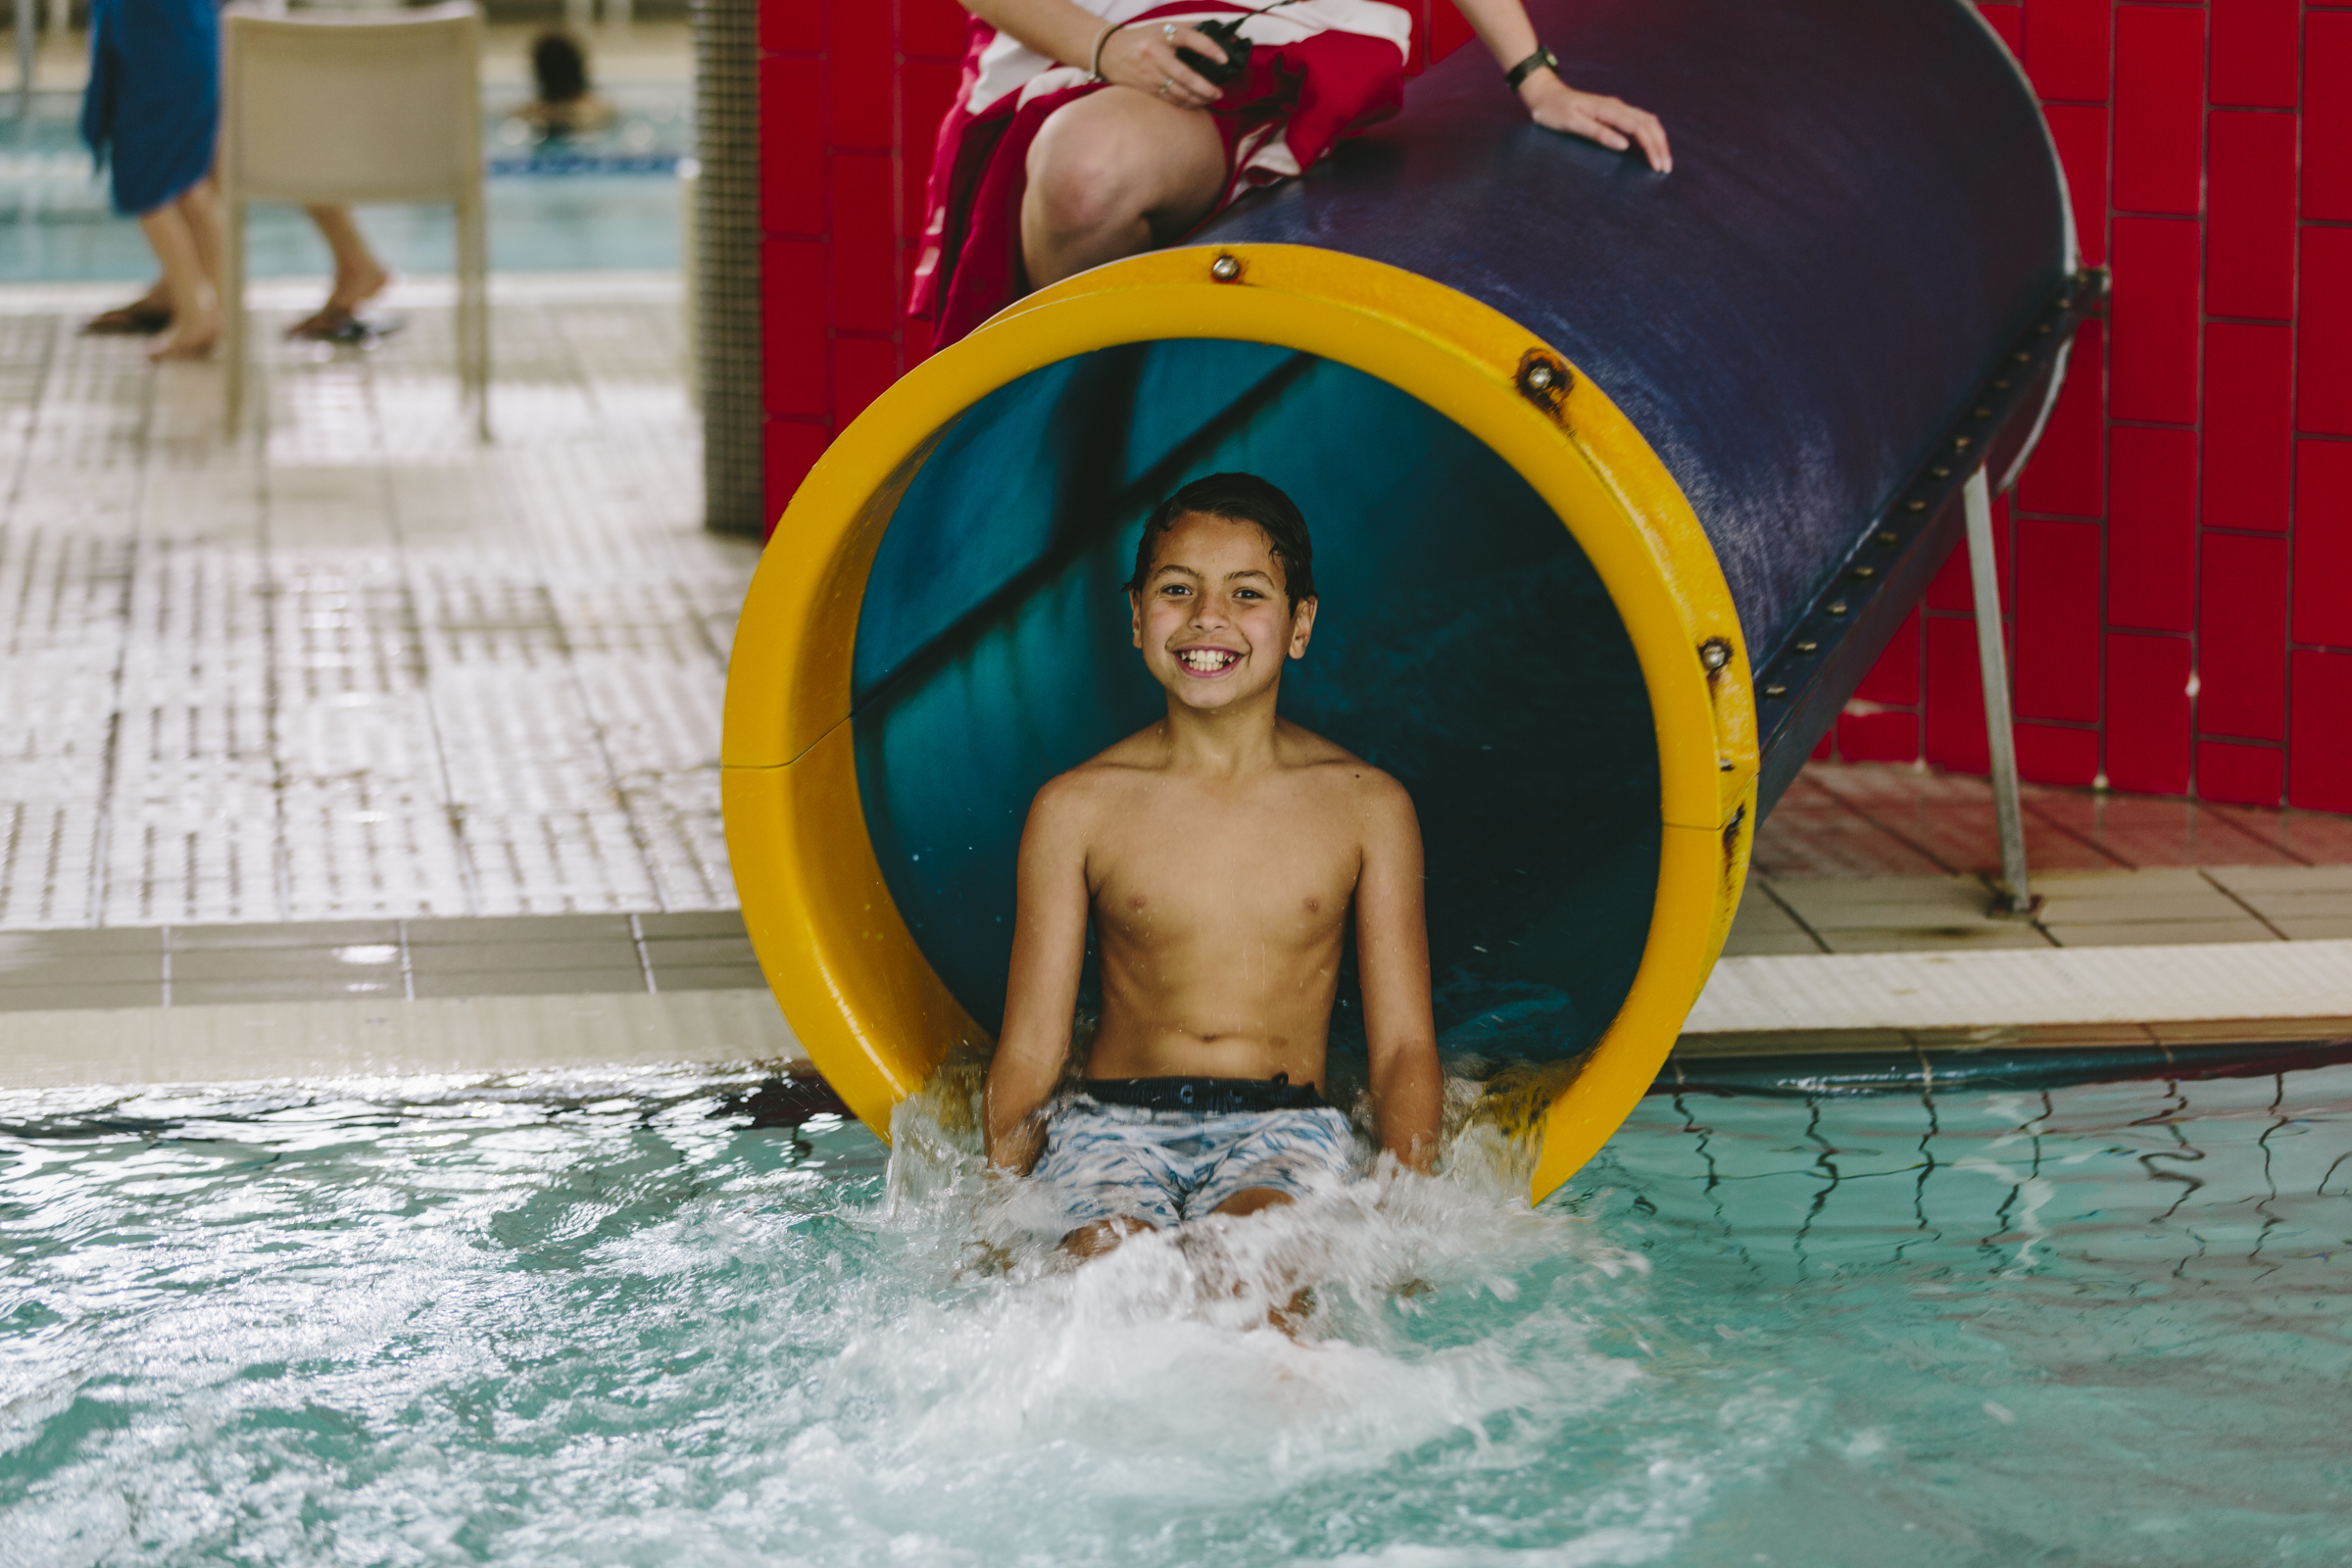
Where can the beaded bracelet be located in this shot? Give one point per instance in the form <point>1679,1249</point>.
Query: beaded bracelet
<point>1094,68</point>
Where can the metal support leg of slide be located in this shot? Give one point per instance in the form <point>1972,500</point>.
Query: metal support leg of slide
<point>1992,664</point>
<point>1619,485</point>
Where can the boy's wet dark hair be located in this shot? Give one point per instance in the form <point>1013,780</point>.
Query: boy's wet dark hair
<point>1244,498</point>
<point>559,69</point>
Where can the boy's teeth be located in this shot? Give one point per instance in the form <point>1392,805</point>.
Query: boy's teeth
<point>1206,659</point>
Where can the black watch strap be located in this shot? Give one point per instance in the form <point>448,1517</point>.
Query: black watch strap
<point>1543,58</point>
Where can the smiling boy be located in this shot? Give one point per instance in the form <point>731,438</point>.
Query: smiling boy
<point>1220,854</point>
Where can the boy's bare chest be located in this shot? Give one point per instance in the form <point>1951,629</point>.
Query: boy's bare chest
<point>1270,869</point>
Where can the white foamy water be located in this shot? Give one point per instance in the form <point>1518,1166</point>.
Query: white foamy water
<point>981,1398</point>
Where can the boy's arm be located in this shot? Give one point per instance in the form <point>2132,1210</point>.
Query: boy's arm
<point>1041,991</point>
<point>1392,945</point>
<point>1502,26</point>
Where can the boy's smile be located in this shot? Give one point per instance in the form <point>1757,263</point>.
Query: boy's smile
<point>1220,857</point>
<point>1217,594</point>
<point>1207,662</point>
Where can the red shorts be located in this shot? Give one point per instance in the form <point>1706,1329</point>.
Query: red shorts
<point>1289,107</point>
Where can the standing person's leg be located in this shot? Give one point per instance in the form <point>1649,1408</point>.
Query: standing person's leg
<point>359,275</point>
<point>195,304</point>
<point>1113,174</point>
<point>201,207</point>
<point>151,311</point>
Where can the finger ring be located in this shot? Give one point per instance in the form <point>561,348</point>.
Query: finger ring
<point>1167,30</point>
<point>1165,86</point>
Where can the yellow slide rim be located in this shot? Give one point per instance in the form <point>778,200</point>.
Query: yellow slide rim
<point>855,988</point>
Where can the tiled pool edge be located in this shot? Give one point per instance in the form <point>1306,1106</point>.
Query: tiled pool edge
<point>236,1043</point>
<point>345,999</point>
<point>2032,999</point>
<point>580,993</point>
<point>118,967</point>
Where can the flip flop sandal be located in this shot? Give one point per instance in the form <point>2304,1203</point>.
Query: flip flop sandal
<point>127,320</point>
<point>371,328</point>
<point>330,323</point>
<point>341,327</point>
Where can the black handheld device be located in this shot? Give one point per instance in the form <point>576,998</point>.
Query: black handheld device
<point>1228,36</point>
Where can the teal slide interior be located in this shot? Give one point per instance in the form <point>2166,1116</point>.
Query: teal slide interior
<point>1463,644</point>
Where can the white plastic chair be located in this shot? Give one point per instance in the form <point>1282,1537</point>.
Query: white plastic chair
<point>332,108</point>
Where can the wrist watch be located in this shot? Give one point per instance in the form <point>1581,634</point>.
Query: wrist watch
<point>1542,60</point>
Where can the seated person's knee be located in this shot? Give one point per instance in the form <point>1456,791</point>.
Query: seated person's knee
<point>1250,1199</point>
<point>1091,1240</point>
<point>1080,188</point>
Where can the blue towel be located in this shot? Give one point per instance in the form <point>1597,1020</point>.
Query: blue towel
<point>152,112</point>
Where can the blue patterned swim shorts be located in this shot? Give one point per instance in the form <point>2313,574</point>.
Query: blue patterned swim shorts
<point>1169,1150</point>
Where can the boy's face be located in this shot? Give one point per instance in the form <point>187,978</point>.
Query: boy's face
<point>1213,620</point>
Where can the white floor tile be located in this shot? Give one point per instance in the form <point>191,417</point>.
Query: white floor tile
<point>359,663</point>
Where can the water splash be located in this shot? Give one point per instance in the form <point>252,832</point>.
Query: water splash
<point>568,1322</point>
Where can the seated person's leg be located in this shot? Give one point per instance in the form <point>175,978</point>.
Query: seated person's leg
<point>1290,1152</point>
<point>1250,1200</point>
<point>1113,174</point>
<point>1092,1241</point>
<point>1289,1316</point>
<point>1284,1155</point>
<point>1110,1175</point>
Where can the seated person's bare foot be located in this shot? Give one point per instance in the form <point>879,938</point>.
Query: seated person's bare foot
<point>144,316</point>
<point>193,341</point>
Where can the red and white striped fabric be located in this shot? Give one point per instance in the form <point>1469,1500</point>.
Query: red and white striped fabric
<point>1320,70</point>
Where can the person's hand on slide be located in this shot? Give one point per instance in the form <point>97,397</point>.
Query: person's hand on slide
<point>1144,57</point>
<point>1611,121</point>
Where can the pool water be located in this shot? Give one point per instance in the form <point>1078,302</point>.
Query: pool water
<point>572,1322</point>
<point>610,200</point>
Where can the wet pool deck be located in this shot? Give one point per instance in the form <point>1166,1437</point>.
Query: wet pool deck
<point>1876,858</point>
<point>358,745</point>
<point>1869,923</point>
<point>359,666</point>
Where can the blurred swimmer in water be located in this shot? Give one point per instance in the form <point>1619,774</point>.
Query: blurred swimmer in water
<point>564,105</point>
<point>1220,855</point>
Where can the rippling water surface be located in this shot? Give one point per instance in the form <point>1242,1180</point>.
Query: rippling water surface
<point>553,1322</point>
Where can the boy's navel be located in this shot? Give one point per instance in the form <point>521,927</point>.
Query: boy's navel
<point>1314,905</point>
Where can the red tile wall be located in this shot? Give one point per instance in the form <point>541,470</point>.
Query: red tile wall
<point>2182,618</point>
<point>2182,622</point>
<point>2319,760</point>
<point>850,94</point>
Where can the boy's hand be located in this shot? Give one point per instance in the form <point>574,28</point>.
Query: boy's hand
<point>1611,121</point>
